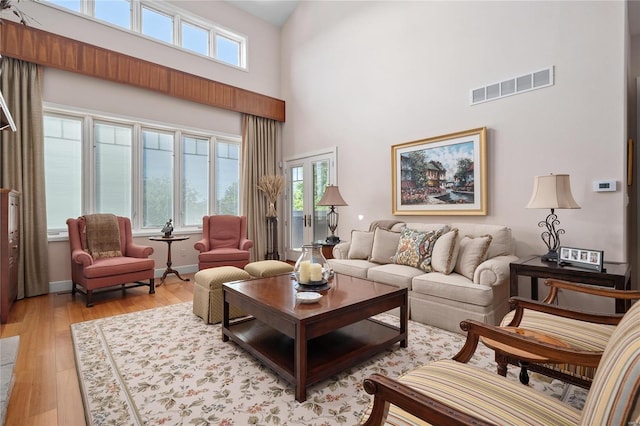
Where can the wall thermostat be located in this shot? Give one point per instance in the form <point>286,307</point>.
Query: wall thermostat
<point>604,185</point>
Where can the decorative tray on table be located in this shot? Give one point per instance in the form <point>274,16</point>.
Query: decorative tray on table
<point>312,285</point>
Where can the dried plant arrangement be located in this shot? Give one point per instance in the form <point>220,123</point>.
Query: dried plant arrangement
<point>272,186</point>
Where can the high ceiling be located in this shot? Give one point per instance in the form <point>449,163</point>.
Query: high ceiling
<point>277,12</point>
<point>274,11</point>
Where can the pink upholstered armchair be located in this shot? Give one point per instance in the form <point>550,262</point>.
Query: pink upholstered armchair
<point>224,242</point>
<point>92,272</point>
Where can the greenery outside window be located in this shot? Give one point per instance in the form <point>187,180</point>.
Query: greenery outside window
<point>149,174</point>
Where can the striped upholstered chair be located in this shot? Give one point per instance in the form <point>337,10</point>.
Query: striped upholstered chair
<point>587,334</point>
<point>448,392</point>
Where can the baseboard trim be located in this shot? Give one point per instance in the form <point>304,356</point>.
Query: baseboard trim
<point>65,286</point>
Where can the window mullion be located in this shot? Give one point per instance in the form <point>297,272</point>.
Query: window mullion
<point>178,180</point>
<point>177,30</point>
<point>136,177</point>
<point>136,16</point>
<point>88,166</point>
<point>212,176</point>
<point>88,7</point>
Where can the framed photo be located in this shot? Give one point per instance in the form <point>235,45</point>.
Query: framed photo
<point>443,175</point>
<point>581,258</point>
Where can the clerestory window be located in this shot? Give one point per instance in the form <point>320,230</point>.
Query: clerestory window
<point>166,23</point>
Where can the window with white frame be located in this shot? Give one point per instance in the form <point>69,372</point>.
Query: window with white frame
<point>149,174</point>
<point>166,23</point>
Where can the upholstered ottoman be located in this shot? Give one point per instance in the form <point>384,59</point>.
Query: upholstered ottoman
<point>207,293</point>
<point>267,268</point>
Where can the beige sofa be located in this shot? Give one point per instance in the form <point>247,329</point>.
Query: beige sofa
<point>453,271</point>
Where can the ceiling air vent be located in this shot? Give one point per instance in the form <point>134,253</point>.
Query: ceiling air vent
<point>512,86</point>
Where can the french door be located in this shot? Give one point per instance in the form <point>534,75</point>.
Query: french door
<point>307,177</point>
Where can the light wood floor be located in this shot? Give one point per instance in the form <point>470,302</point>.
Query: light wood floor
<point>46,390</point>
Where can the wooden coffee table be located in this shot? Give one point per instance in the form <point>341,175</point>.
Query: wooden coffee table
<point>307,343</point>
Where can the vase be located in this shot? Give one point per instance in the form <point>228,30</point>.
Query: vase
<point>311,268</point>
<point>272,239</point>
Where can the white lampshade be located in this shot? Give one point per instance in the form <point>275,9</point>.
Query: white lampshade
<point>552,192</point>
<point>332,197</point>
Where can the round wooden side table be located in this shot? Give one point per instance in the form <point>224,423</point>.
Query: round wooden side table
<point>169,270</point>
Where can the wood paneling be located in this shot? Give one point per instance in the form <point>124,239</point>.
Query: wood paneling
<point>51,50</point>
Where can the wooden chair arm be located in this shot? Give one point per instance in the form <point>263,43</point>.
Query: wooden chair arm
<point>553,353</point>
<point>520,304</point>
<point>387,391</point>
<point>555,285</point>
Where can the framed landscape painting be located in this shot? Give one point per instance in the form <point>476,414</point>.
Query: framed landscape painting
<point>443,175</point>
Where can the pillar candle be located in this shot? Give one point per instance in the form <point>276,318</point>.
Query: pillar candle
<point>305,271</point>
<point>316,272</point>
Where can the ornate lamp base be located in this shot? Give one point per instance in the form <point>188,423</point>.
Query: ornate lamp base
<point>552,256</point>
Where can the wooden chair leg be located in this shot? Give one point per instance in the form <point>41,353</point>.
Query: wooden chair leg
<point>89,298</point>
<point>524,374</point>
<point>502,361</point>
<point>152,286</point>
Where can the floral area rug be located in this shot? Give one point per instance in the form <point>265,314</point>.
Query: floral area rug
<point>164,366</point>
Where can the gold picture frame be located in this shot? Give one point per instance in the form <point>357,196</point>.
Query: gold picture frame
<point>442,175</point>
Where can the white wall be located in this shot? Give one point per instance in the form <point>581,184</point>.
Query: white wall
<point>264,50</point>
<point>367,75</point>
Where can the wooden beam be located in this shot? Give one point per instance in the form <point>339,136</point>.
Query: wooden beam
<point>52,50</point>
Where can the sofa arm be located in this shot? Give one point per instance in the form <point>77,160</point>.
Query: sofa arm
<point>136,250</point>
<point>245,244</point>
<point>341,250</point>
<point>494,271</point>
<point>81,257</point>
<point>202,245</point>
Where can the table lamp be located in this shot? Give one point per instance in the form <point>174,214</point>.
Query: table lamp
<point>552,192</point>
<point>332,198</point>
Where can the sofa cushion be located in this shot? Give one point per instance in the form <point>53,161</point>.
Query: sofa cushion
<point>352,267</point>
<point>501,242</point>
<point>445,252</point>
<point>415,247</point>
<point>452,287</point>
<point>472,252</point>
<point>361,242</point>
<point>385,244</point>
<point>392,274</point>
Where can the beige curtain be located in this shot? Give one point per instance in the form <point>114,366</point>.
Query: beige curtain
<point>260,144</point>
<point>23,170</point>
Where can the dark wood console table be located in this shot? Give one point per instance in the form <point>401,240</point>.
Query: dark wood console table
<point>615,275</point>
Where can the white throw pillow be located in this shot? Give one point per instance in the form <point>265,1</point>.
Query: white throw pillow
<point>361,243</point>
<point>445,252</point>
<point>385,244</point>
<point>473,251</point>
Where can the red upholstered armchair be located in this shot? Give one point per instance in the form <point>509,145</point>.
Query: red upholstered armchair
<point>224,242</point>
<point>93,272</point>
